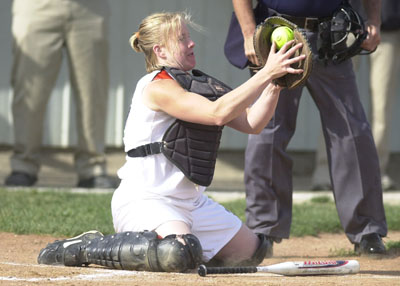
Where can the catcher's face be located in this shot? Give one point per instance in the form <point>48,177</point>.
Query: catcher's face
<point>184,55</point>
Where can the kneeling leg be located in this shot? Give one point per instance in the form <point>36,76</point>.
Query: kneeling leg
<point>127,250</point>
<point>263,250</point>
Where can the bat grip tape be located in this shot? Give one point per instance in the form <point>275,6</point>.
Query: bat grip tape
<point>204,270</point>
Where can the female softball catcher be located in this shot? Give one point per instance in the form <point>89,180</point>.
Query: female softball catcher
<point>163,219</point>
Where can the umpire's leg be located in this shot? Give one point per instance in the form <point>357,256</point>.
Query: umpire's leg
<point>351,151</point>
<point>268,171</point>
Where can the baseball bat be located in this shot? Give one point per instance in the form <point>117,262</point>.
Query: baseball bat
<point>292,268</point>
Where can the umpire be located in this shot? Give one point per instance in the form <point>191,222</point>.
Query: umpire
<point>353,160</point>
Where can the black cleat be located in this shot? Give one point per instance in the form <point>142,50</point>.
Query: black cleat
<point>68,252</point>
<point>370,244</point>
<point>20,179</point>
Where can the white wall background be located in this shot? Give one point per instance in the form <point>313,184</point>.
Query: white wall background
<point>127,67</point>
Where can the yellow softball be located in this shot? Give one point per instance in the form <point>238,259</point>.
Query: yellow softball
<point>281,35</point>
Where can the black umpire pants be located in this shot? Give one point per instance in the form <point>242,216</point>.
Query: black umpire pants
<point>352,156</point>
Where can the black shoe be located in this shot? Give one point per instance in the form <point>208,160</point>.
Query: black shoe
<point>370,244</point>
<point>20,179</point>
<point>98,182</point>
<point>68,252</point>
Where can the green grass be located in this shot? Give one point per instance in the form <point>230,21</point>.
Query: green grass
<point>69,214</point>
<point>308,218</point>
<point>317,216</point>
<point>55,213</point>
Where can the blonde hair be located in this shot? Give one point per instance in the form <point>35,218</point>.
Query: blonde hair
<point>158,29</point>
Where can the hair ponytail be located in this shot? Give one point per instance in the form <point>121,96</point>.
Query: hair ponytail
<point>134,42</point>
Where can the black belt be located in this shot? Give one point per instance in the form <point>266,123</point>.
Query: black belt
<point>145,150</point>
<point>310,24</point>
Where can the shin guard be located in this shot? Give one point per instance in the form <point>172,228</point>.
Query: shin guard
<point>145,251</point>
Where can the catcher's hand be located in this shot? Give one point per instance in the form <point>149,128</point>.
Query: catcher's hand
<point>262,46</point>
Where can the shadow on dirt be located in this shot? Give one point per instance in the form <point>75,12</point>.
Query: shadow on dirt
<point>386,273</point>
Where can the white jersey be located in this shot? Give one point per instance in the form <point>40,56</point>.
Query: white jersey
<point>154,191</point>
<point>152,175</point>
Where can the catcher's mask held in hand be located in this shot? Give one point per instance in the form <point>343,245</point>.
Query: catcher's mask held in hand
<point>262,46</point>
<point>341,37</point>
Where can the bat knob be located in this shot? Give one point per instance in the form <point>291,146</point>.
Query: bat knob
<point>202,270</point>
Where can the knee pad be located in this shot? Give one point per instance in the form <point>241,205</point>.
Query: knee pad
<point>178,253</point>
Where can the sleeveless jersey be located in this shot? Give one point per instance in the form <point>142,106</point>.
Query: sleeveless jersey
<point>151,176</point>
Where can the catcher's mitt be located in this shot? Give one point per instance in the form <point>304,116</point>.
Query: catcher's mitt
<point>262,46</point>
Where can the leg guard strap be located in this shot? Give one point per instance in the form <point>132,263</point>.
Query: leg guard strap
<point>264,250</point>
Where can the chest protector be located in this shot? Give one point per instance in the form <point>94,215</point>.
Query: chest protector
<point>191,147</point>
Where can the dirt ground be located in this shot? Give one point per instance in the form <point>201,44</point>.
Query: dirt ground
<point>18,266</point>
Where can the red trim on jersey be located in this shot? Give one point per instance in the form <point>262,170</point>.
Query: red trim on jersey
<point>162,75</point>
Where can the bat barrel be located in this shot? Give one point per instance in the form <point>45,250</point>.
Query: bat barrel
<point>204,270</point>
